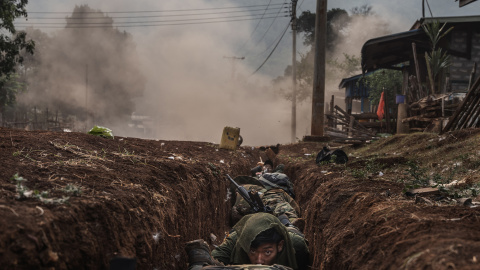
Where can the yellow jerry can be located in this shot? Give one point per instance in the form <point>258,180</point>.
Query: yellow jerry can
<point>230,138</point>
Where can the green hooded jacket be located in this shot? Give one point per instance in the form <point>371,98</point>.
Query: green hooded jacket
<point>234,249</point>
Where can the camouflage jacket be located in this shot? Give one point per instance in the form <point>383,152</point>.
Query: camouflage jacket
<point>277,199</point>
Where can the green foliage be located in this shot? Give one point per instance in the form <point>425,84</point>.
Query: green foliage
<point>436,60</point>
<point>388,80</point>
<point>11,44</point>
<point>419,174</point>
<point>337,19</point>
<point>73,190</point>
<point>24,192</point>
<point>102,132</point>
<point>359,174</point>
<point>10,86</point>
<point>349,67</point>
<point>364,10</point>
<point>372,167</point>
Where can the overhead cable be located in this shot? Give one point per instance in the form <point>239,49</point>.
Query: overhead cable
<point>272,50</point>
<point>147,16</point>
<point>160,21</point>
<point>145,11</point>
<point>251,34</point>
<point>143,25</point>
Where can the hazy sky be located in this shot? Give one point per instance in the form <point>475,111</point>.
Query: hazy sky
<point>250,38</point>
<point>194,85</point>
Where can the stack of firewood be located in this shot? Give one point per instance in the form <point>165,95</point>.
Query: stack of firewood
<point>428,113</point>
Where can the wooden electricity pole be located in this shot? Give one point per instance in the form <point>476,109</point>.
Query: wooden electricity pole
<point>318,98</point>
<point>86,97</point>
<point>294,70</point>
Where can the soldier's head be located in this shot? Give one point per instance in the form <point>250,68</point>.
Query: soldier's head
<point>265,247</point>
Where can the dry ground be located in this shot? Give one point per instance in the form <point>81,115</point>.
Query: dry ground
<point>145,199</point>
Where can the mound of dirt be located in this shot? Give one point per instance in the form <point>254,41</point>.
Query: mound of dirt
<point>144,199</point>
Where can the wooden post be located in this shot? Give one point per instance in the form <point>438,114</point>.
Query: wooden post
<point>46,120</point>
<point>331,120</point>
<point>294,72</point>
<point>405,82</point>
<point>387,113</point>
<point>35,118</point>
<point>472,75</point>
<point>318,99</point>
<point>350,126</point>
<point>402,128</point>
<point>417,69</point>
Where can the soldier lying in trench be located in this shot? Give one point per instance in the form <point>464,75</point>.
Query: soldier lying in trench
<point>258,239</point>
<point>276,192</point>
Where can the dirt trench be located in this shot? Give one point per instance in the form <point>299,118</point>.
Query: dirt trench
<point>146,198</point>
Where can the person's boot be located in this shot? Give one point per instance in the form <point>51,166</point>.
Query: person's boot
<point>199,253</point>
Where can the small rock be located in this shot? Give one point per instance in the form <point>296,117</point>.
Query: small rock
<point>213,237</point>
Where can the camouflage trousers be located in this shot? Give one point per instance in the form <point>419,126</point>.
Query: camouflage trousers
<point>277,203</point>
<point>277,199</point>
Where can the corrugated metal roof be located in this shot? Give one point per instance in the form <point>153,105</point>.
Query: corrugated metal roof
<point>386,51</point>
<point>465,2</point>
<point>448,20</point>
<point>346,80</point>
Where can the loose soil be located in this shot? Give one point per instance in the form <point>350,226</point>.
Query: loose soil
<point>145,199</point>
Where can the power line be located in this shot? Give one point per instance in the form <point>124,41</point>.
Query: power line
<point>272,50</point>
<point>148,16</point>
<point>264,34</point>
<point>160,21</point>
<point>298,8</point>
<point>251,34</point>
<point>268,47</point>
<point>145,25</point>
<point>144,11</point>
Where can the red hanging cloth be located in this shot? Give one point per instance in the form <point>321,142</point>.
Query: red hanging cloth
<point>381,107</point>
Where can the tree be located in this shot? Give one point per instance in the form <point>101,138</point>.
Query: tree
<point>336,19</point>
<point>365,10</point>
<point>387,80</point>
<point>11,45</point>
<point>437,61</point>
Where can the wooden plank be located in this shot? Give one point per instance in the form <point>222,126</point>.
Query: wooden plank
<point>424,191</point>
<point>418,118</point>
<point>365,116</point>
<point>454,117</point>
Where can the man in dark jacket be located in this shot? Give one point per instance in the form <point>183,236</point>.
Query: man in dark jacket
<point>260,239</point>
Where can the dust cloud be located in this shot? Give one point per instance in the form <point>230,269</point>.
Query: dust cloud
<point>177,82</point>
<point>359,30</point>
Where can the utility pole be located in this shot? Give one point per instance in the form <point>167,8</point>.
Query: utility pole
<point>86,95</point>
<point>294,70</point>
<point>423,8</point>
<point>318,98</point>
<point>233,58</point>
